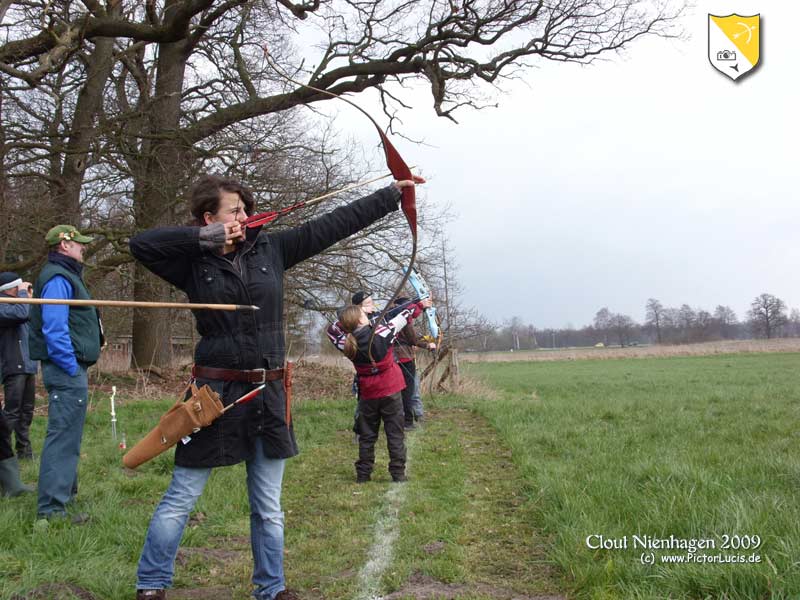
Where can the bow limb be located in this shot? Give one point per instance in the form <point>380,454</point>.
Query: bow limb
<point>397,166</point>
<point>399,170</point>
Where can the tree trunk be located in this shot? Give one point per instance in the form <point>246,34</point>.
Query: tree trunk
<point>156,186</point>
<point>4,212</point>
<point>152,329</point>
<point>90,100</point>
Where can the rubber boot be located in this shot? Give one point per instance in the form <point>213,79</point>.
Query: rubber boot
<point>9,478</point>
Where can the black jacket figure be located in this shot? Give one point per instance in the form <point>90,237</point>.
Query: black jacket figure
<point>243,339</point>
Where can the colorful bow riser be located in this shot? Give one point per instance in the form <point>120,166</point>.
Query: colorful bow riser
<point>423,292</point>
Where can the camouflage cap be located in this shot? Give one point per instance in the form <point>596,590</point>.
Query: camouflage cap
<point>66,233</point>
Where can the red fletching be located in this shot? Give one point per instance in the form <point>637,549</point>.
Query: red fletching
<point>268,217</point>
<point>250,395</point>
<point>261,219</point>
<point>246,398</point>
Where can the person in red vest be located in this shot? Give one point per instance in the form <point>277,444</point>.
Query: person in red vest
<point>380,382</point>
<point>407,343</point>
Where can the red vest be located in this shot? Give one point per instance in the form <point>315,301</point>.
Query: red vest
<point>380,379</point>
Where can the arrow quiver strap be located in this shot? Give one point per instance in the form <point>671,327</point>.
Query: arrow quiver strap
<point>288,370</point>
<point>199,410</point>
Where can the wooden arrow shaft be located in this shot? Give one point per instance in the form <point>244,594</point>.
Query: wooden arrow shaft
<point>127,304</point>
<point>346,189</point>
<point>264,218</point>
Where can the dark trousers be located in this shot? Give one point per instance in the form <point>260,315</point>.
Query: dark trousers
<point>58,471</point>
<point>5,438</point>
<point>409,370</point>
<point>20,393</point>
<point>388,409</point>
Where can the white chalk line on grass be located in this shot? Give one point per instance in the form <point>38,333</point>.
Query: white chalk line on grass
<point>387,529</point>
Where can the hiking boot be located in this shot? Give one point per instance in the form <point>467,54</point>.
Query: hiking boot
<point>59,517</point>
<point>399,478</point>
<point>409,426</point>
<point>79,518</point>
<point>151,594</point>
<point>287,595</point>
<point>362,478</point>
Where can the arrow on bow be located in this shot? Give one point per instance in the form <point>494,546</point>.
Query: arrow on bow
<point>128,303</point>
<point>265,218</point>
<point>398,168</point>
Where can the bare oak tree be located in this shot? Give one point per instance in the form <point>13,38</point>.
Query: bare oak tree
<point>654,316</point>
<point>602,323</point>
<point>726,321</point>
<point>767,315</point>
<point>117,106</point>
<point>623,327</point>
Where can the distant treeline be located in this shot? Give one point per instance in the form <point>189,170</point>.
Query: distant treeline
<point>768,317</point>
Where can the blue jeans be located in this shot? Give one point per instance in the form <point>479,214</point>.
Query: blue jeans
<point>58,471</point>
<point>416,398</point>
<point>264,478</point>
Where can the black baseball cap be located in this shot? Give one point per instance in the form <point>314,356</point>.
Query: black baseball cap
<point>360,296</point>
<point>9,280</point>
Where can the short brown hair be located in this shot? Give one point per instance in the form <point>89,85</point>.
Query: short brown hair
<point>205,195</point>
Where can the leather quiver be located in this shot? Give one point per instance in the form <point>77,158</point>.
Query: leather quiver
<point>201,409</point>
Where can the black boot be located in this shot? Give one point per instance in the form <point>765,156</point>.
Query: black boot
<point>9,478</point>
<point>151,594</point>
<point>25,452</point>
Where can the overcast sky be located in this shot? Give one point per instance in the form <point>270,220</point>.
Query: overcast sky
<point>648,175</point>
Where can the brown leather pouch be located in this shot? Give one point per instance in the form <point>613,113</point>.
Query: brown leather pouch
<point>184,418</point>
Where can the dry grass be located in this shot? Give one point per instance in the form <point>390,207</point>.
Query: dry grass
<point>704,349</point>
<point>114,360</point>
<point>476,387</point>
<point>330,360</point>
<point>312,381</point>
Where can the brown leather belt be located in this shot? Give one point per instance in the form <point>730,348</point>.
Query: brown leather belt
<point>251,376</point>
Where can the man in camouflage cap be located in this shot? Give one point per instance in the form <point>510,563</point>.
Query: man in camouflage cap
<point>67,340</point>
<point>66,233</point>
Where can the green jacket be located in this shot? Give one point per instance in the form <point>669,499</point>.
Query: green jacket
<point>84,324</point>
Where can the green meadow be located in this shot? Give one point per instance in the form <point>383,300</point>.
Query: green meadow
<point>507,482</point>
<point>461,527</point>
<point>685,448</point>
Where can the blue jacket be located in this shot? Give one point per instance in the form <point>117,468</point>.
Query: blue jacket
<point>55,325</point>
<point>14,354</point>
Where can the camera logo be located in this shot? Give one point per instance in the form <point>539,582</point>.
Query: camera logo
<point>734,43</point>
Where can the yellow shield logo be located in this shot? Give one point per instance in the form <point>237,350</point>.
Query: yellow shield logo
<point>734,43</point>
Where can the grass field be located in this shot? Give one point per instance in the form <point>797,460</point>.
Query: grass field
<point>693,448</point>
<point>463,485</point>
<point>505,487</point>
